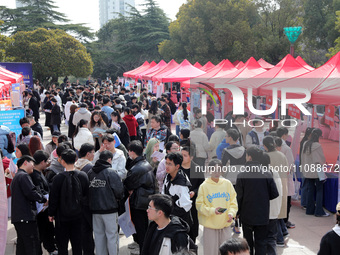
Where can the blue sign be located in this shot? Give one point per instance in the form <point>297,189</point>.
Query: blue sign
<point>22,68</point>
<point>11,119</point>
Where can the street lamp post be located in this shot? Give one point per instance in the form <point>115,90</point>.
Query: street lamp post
<point>292,34</point>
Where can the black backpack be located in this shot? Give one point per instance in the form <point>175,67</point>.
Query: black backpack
<point>71,195</point>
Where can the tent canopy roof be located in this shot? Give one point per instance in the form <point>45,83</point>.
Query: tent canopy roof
<point>264,64</point>
<point>161,64</point>
<point>304,64</point>
<point>153,76</point>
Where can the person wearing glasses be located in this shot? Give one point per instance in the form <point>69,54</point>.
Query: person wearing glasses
<point>166,234</point>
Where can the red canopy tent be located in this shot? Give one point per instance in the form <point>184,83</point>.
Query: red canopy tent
<point>198,65</point>
<point>264,64</point>
<point>160,65</point>
<point>172,64</point>
<point>303,63</point>
<point>140,69</point>
<point>287,68</point>
<point>239,65</point>
<point>180,73</point>
<point>7,75</point>
<point>207,66</point>
<point>236,62</point>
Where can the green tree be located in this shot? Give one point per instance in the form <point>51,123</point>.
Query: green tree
<point>53,53</point>
<point>336,48</point>
<point>40,14</point>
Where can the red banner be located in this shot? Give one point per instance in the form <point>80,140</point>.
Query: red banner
<point>230,100</point>
<point>293,111</point>
<point>329,115</point>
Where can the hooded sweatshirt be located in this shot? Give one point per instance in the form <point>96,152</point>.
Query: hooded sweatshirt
<point>220,148</point>
<point>255,138</point>
<point>83,164</point>
<point>235,155</point>
<point>82,113</point>
<point>132,124</point>
<point>212,195</point>
<point>54,169</point>
<point>105,188</point>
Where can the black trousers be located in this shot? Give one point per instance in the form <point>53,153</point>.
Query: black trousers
<point>27,238</point>
<point>46,231</point>
<point>289,205</point>
<point>256,237</point>
<point>87,241</point>
<point>140,220</point>
<point>66,231</point>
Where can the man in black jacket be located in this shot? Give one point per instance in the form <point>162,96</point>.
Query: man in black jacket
<point>140,183</point>
<point>105,190</point>
<point>255,188</point>
<point>166,234</point>
<point>24,211</point>
<point>33,104</point>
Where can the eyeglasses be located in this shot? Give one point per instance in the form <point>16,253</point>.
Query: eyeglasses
<point>149,207</point>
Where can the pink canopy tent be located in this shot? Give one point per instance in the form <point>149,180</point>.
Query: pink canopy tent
<point>172,64</point>
<point>198,65</point>
<point>207,66</point>
<point>127,74</point>
<point>303,63</point>
<point>236,62</point>
<point>239,65</point>
<point>12,77</point>
<point>161,64</point>
<point>180,73</point>
<point>264,64</point>
<point>287,68</point>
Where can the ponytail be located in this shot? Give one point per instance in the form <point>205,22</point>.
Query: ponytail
<point>185,111</point>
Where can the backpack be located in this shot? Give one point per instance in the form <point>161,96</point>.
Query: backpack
<point>71,195</point>
<point>11,138</point>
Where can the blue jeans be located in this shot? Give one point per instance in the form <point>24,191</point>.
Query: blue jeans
<point>55,128</point>
<point>177,130</point>
<point>314,207</point>
<point>303,192</point>
<point>281,230</point>
<point>271,237</point>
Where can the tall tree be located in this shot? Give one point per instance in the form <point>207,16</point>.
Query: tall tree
<point>53,53</point>
<point>39,14</point>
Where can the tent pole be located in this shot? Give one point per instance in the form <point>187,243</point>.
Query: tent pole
<point>312,124</point>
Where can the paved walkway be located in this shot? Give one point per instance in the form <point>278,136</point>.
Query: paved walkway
<point>304,239</point>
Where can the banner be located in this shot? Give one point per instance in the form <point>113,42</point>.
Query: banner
<point>329,115</point>
<point>22,68</point>
<point>293,111</point>
<point>5,105</point>
<point>11,119</point>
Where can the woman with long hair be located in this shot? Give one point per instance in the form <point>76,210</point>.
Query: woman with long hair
<point>71,127</point>
<point>119,124</point>
<point>145,104</point>
<point>97,127</point>
<point>153,110</point>
<point>22,150</point>
<point>82,135</point>
<point>34,145</point>
<point>313,161</point>
<point>184,118</point>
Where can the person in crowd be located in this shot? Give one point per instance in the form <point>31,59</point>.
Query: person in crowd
<point>158,131</point>
<point>25,136</point>
<point>198,116</point>
<point>254,212</point>
<point>153,146</point>
<point>282,132</point>
<point>153,111</point>
<point>34,105</point>
<point>67,110</point>
<point>81,114</point>
<point>256,135</point>
<point>107,108</point>
<point>216,138</point>
<point>24,196</point>
<point>176,120</point>
<point>140,183</point>
<point>66,209</point>
<point>22,150</point>
<point>71,126</point>
<point>161,172</point>
<point>184,138</point>
<point>34,145</point>
<point>185,118</point>
<point>131,123</point>
<point>45,227</point>
<point>119,124</point>
<point>35,126</point>
<point>86,156</point>
<point>202,144</point>
<point>106,189</point>
<point>61,139</point>
<point>166,113</point>
<point>330,242</point>
<point>47,109</point>
<point>235,246</point>
<point>312,155</point>
<point>119,160</point>
<point>82,135</point>
<point>215,212</point>
<point>145,103</point>
<point>52,145</point>
<point>4,132</point>
<point>97,127</point>
<point>166,234</point>
<point>140,116</point>
<point>196,178</point>
<point>55,115</point>
<point>177,185</point>
<point>220,148</point>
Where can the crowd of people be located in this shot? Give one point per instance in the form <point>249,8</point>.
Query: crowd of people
<point>121,146</point>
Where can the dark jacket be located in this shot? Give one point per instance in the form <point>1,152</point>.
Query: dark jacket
<point>57,193</point>
<point>141,180</point>
<point>34,106</point>
<point>330,244</point>
<point>255,189</point>
<point>24,197</point>
<point>55,115</point>
<point>54,169</point>
<point>71,127</point>
<point>48,106</point>
<point>236,156</point>
<point>123,133</point>
<point>105,189</point>
<point>40,182</point>
<point>38,128</point>
<point>176,231</point>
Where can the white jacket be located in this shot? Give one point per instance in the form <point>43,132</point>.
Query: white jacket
<point>275,204</point>
<point>118,162</point>
<point>67,110</point>
<point>215,139</point>
<point>84,136</point>
<point>200,139</point>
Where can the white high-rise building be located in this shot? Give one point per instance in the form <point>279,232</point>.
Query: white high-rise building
<point>110,9</point>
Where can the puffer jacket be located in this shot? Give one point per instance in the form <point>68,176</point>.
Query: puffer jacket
<point>4,131</point>
<point>84,136</point>
<point>141,181</point>
<point>105,188</point>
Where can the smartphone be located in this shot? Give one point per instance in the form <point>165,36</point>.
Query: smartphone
<point>222,210</point>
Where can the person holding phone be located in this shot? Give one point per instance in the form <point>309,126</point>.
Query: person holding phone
<point>216,205</point>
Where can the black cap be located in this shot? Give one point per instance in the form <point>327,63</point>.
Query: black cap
<point>56,134</point>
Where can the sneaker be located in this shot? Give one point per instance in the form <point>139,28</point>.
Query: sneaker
<point>290,225</point>
<point>304,207</point>
<point>324,215</point>
<point>280,244</point>
<point>133,245</point>
<point>134,252</point>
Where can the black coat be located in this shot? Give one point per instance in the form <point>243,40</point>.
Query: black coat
<point>141,180</point>
<point>34,106</point>
<point>48,106</point>
<point>55,115</point>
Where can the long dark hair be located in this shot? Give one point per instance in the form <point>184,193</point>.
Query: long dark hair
<point>81,123</point>
<point>23,147</point>
<point>269,142</point>
<point>100,121</point>
<point>147,103</point>
<point>185,111</point>
<point>316,133</point>
<point>154,107</point>
<point>116,114</point>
